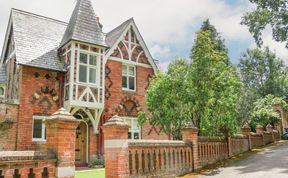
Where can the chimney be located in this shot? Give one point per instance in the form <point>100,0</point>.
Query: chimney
<point>98,20</point>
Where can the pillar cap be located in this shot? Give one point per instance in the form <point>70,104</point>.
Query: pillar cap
<point>259,126</point>
<point>246,126</point>
<point>62,114</point>
<point>269,126</point>
<point>116,121</point>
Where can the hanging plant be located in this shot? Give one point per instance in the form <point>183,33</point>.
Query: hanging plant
<point>6,124</point>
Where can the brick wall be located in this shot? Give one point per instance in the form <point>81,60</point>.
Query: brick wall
<point>8,135</point>
<point>39,91</point>
<point>113,105</point>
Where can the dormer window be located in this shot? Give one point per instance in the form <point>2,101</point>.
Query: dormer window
<point>87,71</point>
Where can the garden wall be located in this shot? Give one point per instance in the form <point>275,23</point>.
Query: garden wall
<point>148,158</point>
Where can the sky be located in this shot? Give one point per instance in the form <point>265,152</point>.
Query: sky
<point>167,26</point>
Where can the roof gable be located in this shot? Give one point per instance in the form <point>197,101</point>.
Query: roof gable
<point>36,39</point>
<point>115,37</point>
<point>84,26</point>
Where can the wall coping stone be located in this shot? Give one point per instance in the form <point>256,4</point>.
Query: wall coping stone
<point>24,155</point>
<point>149,143</point>
<point>116,121</point>
<point>61,114</point>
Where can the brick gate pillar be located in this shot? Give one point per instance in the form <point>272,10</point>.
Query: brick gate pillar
<point>60,141</point>
<point>246,131</point>
<point>116,151</point>
<point>269,128</point>
<point>190,135</point>
<point>260,131</point>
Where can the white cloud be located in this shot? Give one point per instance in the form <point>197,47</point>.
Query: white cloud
<point>166,25</point>
<point>277,47</point>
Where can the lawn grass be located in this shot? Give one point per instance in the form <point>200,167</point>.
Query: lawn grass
<point>91,174</point>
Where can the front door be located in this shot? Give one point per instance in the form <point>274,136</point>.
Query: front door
<point>81,143</point>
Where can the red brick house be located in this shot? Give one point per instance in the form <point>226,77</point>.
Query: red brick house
<point>47,64</point>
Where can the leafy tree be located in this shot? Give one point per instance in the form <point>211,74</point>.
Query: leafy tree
<point>245,105</point>
<point>263,72</point>
<point>214,87</point>
<point>264,113</point>
<point>273,13</point>
<point>167,99</point>
<point>217,40</point>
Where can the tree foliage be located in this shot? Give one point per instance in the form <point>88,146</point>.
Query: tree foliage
<point>217,40</point>
<point>273,13</point>
<point>167,99</point>
<point>203,91</point>
<point>264,113</point>
<point>215,87</point>
<point>263,72</point>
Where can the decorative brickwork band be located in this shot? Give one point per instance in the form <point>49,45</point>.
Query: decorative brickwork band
<point>60,140</point>
<point>190,135</point>
<point>116,148</point>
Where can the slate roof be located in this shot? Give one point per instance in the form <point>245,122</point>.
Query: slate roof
<point>37,39</point>
<point>114,34</point>
<point>84,26</point>
<point>3,75</point>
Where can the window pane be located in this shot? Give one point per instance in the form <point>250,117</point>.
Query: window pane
<point>1,91</point>
<point>124,70</point>
<point>136,135</point>
<point>131,71</point>
<point>82,73</point>
<point>129,135</point>
<point>93,60</point>
<point>135,125</point>
<point>83,58</point>
<point>37,128</point>
<point>131,83</point>
<point>128,122</point>
<point>124,82</point>
<point>92,75</point>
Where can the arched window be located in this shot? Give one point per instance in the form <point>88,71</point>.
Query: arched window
<point>2,91</point>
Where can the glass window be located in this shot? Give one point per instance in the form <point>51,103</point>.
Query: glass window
<point>92,75</point>
<point>93,60</point>
<point>2,91</point>
<point>134,130</point>
<point>128,77</point>
<point>82,73</point>
<point>87,72</point>
<point>83,58</point>
<point>39,131</point>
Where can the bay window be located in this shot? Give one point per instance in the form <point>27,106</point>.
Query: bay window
<point>87,72</point>
<point>128,77</point>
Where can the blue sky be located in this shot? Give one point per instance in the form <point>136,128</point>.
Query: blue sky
<point>168,26</point>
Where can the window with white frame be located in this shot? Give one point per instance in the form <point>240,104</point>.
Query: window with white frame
<point>134,130</point>
<point>87,72</point>
<point>128,77</point>
<point>38,129</point>
<point>2,91</point>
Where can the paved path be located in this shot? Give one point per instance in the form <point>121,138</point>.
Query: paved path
<point>273,162</point>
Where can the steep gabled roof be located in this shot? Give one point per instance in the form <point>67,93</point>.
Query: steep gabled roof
<point>37,39</point>
<point>114,35</point>
<point>117,34</point>
<point>84,26</point>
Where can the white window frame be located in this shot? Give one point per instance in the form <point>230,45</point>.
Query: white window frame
<point>2,86</point>
<point>127,76</point>
<point>42,139</point>
<point>132,130</point>
<point>88,66</point>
